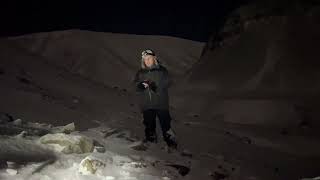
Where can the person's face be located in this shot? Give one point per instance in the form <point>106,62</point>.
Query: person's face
<point>149,60</point>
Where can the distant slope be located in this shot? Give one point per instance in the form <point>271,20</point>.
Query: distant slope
<point>33,90</point>
<point>266,48</point>
<point>263,67</point>
<point>109,58</point>
<point>81,76</point>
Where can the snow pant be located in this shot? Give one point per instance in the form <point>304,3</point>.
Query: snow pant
<point>149,121</point>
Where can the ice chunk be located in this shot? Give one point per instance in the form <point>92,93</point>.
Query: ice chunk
<point>12,172</point>
<point>64,129</point>
<point>68,143</point>
<point>90,165</point>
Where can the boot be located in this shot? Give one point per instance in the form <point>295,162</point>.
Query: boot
<point>151,138</point>
<point>169,138</point>
<point>172,144</point>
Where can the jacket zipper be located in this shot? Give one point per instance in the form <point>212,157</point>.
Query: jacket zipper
<point>149,95</point>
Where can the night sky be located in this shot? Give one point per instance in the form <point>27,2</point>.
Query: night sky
<point>195,21</point>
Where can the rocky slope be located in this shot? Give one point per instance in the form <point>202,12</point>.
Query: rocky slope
<point>266,47</point>
<point>266,56</point>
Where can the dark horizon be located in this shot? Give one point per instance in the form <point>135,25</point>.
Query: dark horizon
<point>189,21</point>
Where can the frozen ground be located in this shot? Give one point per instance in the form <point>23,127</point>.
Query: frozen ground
<point>27,158</point>
<point>225,152</point>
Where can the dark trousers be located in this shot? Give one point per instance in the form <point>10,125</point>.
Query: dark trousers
<point>149,121</point>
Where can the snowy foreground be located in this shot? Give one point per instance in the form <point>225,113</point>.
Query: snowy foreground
<point>100,153</point>
<point>32,151</point>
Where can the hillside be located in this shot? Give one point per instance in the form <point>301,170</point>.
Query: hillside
<point>265,58</point>
<point>102,56</point>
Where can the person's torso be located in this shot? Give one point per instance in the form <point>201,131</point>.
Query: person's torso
<point>157,98</point>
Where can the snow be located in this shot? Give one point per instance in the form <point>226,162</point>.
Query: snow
<point>110,165</point>
<point>316,178</point>
<point>12,171</point>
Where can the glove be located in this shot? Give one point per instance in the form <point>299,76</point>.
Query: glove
<point>153,86</point>
<point>141,86</point>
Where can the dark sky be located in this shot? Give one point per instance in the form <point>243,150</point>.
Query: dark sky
<point>194,20</point>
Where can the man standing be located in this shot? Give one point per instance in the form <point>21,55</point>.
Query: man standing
<point>152,83</point>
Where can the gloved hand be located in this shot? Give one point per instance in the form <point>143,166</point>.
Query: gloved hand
<point>142,85</point>
<point>153,86</point>
<point>147,84</point>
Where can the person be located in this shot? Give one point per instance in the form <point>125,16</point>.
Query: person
<point>152,83</point>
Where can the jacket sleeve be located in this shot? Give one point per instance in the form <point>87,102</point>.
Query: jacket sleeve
<point>137,82</point>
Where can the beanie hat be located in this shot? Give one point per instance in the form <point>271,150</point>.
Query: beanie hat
<point>147,52</point>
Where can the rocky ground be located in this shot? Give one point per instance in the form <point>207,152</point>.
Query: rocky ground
<point>42,151</point>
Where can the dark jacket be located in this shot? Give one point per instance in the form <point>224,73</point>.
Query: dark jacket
<point>156,96</point>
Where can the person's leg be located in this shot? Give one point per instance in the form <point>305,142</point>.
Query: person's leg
<point>165,122</point>
<point>149,121</point>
